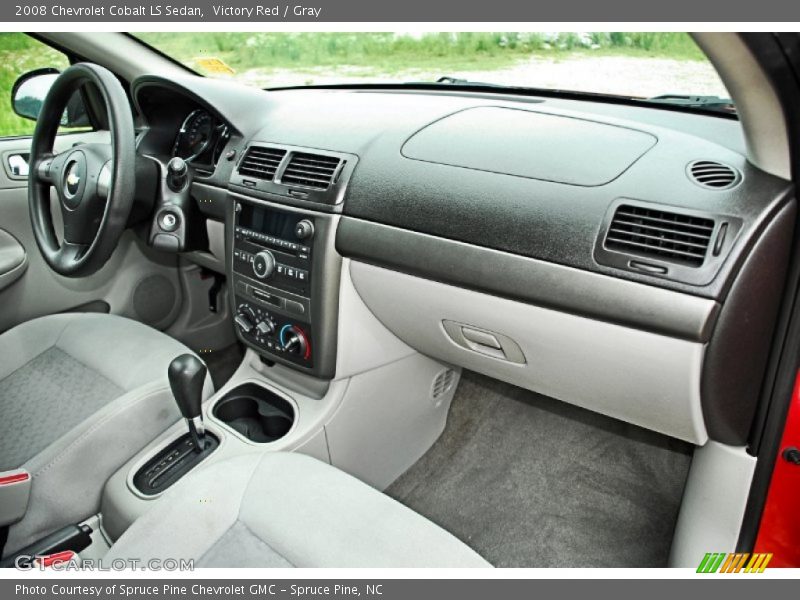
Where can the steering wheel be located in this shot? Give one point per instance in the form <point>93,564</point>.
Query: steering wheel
<point>94,182</point>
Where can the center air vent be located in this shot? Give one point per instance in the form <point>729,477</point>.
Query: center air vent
<point>310,170</point>
<point>669,236</point>
<point>261,162</point>
<point>713,175</point>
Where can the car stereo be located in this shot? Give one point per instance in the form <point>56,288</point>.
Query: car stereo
<point>273,281</point>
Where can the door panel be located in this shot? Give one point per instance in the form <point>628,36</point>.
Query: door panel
<point>128,283</point>
<point>13,260</point>
<point>779,532</point>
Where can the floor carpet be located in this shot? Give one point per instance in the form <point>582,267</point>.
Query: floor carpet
<point>528,481</point>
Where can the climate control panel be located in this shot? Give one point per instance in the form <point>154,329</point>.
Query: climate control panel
<point>274,332</point>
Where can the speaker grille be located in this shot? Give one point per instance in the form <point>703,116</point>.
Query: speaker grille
<point>153,299</point>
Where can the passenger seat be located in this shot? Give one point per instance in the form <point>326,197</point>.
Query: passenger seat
<point>279,509</point>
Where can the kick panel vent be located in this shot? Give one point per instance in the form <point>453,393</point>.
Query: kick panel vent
<point>713,175</point>
<point>261,162</point>
<point>310,170</point>
<point>668,236</point>
<point>443,383</point>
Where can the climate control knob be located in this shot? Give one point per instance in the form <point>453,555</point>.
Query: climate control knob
<point>266,327</point>
<point>245,319</point>
<point>294,341</point>
<point>263,264</point>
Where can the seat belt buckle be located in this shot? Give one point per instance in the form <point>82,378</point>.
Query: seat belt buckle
<point>15,491</point>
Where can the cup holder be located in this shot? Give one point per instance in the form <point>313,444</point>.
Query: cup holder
<point>255,412</point>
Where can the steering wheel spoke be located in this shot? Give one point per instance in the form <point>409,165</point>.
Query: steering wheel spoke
<point>43,171</point>
<point>49,167</point>
<point>69,254</point>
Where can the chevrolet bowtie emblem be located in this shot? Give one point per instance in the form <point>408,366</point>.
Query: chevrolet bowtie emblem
<point>73,179</point>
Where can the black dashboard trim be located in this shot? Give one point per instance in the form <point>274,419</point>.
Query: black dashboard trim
<point>736,359</point>
<point>539,282</point>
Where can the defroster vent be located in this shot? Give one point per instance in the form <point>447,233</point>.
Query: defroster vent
<point>714,175</point>
<point>310,170</point>
<point>668,236</point>
<point>261,162</point>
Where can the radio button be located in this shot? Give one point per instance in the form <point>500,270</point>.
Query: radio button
<point>266,297</point>
<point>304,230</point>
<point>295,307</point>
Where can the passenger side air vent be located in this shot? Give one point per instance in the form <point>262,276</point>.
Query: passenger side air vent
<point>310,170</point>
<point>713,175</point>
<point>669,236</point>
<point>261,162</point>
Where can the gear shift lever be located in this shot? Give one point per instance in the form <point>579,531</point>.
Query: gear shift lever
<point>187,374</point>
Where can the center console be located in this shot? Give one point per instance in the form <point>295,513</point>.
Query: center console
<point>386,404</point>
<point>285,274</point>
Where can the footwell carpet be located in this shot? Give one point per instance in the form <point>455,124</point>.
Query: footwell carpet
<point>528,481</point>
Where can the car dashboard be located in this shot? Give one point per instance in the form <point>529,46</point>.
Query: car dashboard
<point>625,259</point>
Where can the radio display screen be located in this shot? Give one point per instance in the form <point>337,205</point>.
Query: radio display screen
<point>270,222</point>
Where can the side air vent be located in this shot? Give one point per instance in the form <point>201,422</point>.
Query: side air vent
<point>713,175</point>
<point>261,162</point>
<point>310,170</point>
<point>668,236</point>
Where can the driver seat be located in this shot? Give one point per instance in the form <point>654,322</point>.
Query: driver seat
<point>80,394</point>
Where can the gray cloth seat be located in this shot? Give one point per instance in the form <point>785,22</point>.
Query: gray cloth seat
<point>80,394</point>
<point>278,509</point>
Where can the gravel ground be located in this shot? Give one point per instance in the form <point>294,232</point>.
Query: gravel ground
<point>623,75</point>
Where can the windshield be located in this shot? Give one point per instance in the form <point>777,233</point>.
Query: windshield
<point>634,65</point>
